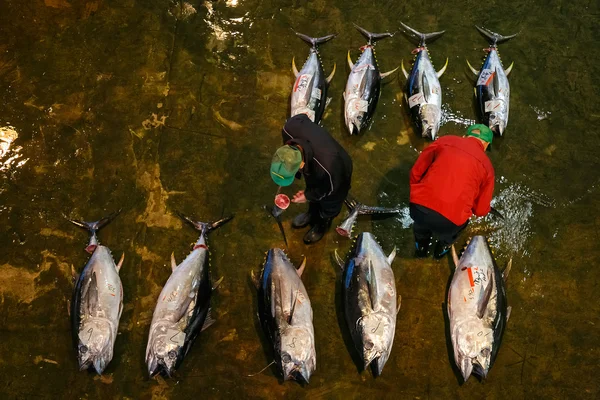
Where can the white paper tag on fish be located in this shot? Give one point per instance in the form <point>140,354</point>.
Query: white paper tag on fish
<point>493,105</point>
<point>316,93</point>
<point>309,113</point>
<point>484,77</point>
<point>361,105</point>
<point>302,82</point>
<point>415,100</point>
<point>175,337</point>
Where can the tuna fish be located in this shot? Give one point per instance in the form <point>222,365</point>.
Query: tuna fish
<point>356,209</point>
<point>492,90</point>
<point>97,302</point>
<point>477,308</point>
<point>183,306</point>
<point>369,296</point>
<point>364,84</point>
<point>309,93</point>
<point>423,92</point>
<point>286,316</point>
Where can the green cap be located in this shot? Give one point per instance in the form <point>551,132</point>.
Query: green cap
<point>286,162</point>
<point>481,131</point>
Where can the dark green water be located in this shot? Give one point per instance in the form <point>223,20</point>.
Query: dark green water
<point>131,104</point>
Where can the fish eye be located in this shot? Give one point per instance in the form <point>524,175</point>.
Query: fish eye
<point>285,357</point>
<point>368,345</point>
<point>83,349</point>
<point>172,354</point>
<point>485,352</point>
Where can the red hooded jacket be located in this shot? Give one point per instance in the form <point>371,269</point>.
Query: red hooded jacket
<point>454,177</point>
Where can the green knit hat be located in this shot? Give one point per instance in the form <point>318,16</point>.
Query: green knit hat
<point>481,131</point>
<point>285,164</point>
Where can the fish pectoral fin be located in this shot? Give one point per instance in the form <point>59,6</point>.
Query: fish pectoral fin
<point>399,304</point>
<point>300,270</point>
<point>92,294</point>
<point>487,294</point>
<point>294,69</point>
<point>454,257</point>
<point>441,71</point>
<point>372,287</point>
<point>509,69</point>
<point>507,270</point>
<point>350,61</point>
<point>392,256</point>
<point>338,259</point>
<point>403,69</point>
<point>389,72</point>
<point>208,321</point>
<point>120,264</point>
<point>473,70</point>
<point>330,77</point>
<point>173,262</point>
<point>217,283</point>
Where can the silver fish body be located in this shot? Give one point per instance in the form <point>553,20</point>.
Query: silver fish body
<point>286,315</point>
<point>370,301</point>
<point>477,309</point>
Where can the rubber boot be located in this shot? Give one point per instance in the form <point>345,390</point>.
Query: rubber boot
<point>302,220</point>
<point>318,230</point>
<point>441,249</point>
<point>421,247</point>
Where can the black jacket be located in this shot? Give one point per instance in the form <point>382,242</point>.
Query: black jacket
<point>327,167</point>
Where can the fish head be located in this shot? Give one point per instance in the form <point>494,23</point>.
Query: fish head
<point>473,345</point>
<point>95,347</point>
<point>377,334</point>
<point>429,116</point>
<point>498,118</point>
<point>164,347</point>
<point>298,357</point>
<point>356,114</point>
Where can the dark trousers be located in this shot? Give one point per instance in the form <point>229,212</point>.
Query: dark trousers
<point>428,222</point>
<point>325,208</point>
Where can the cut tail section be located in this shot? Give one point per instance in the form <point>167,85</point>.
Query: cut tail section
<point>205,226</point>
<point>93,228</point>
<point>423,38</point>
<point>314,42</point>
<point>493,37</point>
<point>373,37</point>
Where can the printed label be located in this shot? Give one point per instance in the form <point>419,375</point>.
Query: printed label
<point>389,289</point>
<point>316,93</point>
<point>361,105</point>
<point>175,337</point>
<point>485,77</point>
<point>493,105</point>
<point>415,100</point>
<point>302,82</point>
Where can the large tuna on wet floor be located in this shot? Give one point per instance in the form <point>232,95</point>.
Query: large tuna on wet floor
<point>477,308</point>
<point>97,302</point>
<point>492,89</point>
<point>369,296</point>
<point>423,91</point>
<point>183,306</point>
<point>309,93</point>
<point>286,316</point>
<point>364,84</point>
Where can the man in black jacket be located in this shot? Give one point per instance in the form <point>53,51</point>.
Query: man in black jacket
<point>311,152</point>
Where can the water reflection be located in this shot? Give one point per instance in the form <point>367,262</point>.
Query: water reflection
<point>10,157</point>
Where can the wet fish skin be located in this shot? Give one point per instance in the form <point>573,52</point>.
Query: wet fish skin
<point>97,303</point>
<point>285,313</point>
<point>370,301</point>
<point>492,89</point>
<point>477,309</point>
<point>309,93</point>
<point>183,307</point>
<point>356,209</point>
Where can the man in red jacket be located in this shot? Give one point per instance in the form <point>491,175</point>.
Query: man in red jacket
<point>452,179</point>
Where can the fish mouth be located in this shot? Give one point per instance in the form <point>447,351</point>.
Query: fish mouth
<point>299,373</point>
<point>372,360</point>
<point>497,129</point>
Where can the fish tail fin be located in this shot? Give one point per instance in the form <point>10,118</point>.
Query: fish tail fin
<point>493,37</point>
<point>94,226</point>
<point>314,42</point>
<point>205,226</point>
<point>423,38</point>
<point>373,37</point>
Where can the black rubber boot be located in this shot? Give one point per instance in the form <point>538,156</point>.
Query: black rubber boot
<point>441,249</point>
<point>302,220</point>
<point>318,230</point>
<point>422,247</point>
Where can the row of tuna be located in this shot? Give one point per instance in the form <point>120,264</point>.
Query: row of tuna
<point>423,92</point>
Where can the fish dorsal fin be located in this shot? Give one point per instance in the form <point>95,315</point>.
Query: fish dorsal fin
<point>496,82</point>
<point>509,69</point>
<point>487,294</point>
<point>272,300</point>
<point>473,70</point>
<point>120,263</point>
<point>255,279</point>
<point>330,77</point>
<point>404,69</point>
<point>455,257</point>
<point>208,321</point>
<point>92,294</point>
<point>507,270</point>
<point>294,301</point>
<point>399,304</point>
<point>350,61</point>
<point>173,262</point>
<point>300,270</point>
<point>338,259</point>
<point>426,88</point>
<point>392,256</point>
<point>441,71</point>
<point>294,69</point>
<point>218,283</point>
<point>372,287</point>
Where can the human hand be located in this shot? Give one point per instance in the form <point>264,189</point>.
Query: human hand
<point>299,197</point>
